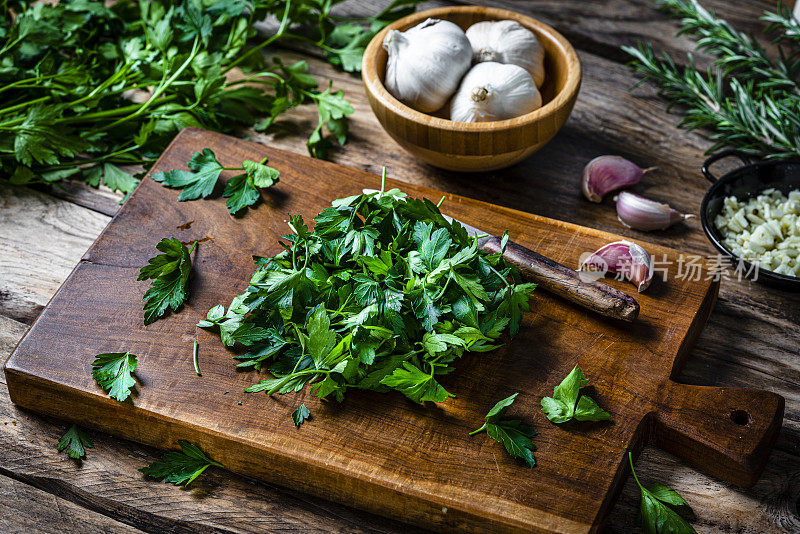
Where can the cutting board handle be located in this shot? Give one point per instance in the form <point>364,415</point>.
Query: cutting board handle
<point>726,432</point>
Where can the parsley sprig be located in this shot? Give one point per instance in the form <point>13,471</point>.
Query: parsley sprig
<point>655,517</point>
<point>180,467</point>
<point>301,415</point>
<point>565,403</point>
<point>170,273</point>
<point>113,371</point>
<point>384,294</point>
<point>241,191</point>
<point>75,441</point>
<point>512,433</point>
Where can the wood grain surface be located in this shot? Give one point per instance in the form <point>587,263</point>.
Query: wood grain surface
<point>411,462</point>
<point>751,340</point>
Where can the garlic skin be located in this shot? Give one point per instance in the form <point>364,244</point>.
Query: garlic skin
<point>641,213</point>
<point>607,173</point>
<point>626,258</point>
<point>494,92</point>
<point>508,41</point>
<point>425,63</point>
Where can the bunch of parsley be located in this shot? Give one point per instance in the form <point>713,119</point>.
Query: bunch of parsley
<point>86,88</point>
<point>383,294</point>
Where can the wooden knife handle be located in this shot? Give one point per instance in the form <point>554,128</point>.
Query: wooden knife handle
<point>566,283</point>
<point>726,432</point>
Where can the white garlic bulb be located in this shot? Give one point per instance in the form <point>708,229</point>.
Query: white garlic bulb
<point>494,92</point>
<point>426,63</point>
<point>508,41</point>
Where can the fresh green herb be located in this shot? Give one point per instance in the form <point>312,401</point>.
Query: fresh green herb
<point>169,272</point>
<point>87,87</point>
<point>565,404</point>
<point>655,517</point>
<point>301,415</point>
<point>180,467</point>
<point>75,441</point>
<point>747,101</point>
<point>383,294</point>
<point>241,190</point>
<point>194,359</point>
<point>113,371</point>
<point>512,433</point>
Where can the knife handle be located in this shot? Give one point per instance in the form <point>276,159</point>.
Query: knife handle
<point>566,283</point>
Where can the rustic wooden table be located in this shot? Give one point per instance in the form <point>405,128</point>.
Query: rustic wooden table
<point>751,340</point>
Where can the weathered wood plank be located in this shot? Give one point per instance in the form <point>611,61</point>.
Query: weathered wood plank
<point>42,238</point>
<point>24,508</point>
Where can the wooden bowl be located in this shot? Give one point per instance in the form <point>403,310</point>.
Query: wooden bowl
<point>475,146</point>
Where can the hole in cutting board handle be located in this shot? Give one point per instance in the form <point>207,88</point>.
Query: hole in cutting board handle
<point>740,417</point>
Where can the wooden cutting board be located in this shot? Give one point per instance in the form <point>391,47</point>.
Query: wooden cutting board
<point>380,452</point>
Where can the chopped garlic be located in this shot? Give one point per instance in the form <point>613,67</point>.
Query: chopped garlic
<point>764,230</point>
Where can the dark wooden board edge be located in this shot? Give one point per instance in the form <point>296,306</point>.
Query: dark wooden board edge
<point>425,510</point>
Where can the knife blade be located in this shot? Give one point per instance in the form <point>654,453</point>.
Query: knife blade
<point>555,277</point>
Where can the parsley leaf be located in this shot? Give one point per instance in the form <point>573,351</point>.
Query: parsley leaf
<point>564,404</point>
<point>655,517</point>
<point>512,433</point>
<point>241,190</point>
<point>199,181</point>
<point>416,385</point>
<point>75,442</point>
<point>301,415</point>
<point>170,273</point>
<point>113,371</point>
<point>180,467</point>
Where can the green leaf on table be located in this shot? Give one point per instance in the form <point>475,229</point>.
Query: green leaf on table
<point>180,467</point>
<point>564,404</point>
<point>301,415</point>
<point>241,193</point>
<point>512,433</point>
<point>170,273</point>
<point>262,175</point>
<point>118,180</point>
<point>113,371</point>
<point>199,181</point>
<point>655,517</point>
<point>75,442</point>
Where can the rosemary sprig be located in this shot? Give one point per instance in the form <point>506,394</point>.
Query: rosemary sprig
<point>745,100</point>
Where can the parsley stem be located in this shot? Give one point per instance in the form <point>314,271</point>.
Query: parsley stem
<point>194,358</point>
<point>107,158</point>
<point>481,429</point>
<point>161,88</point>
<point>633,471</point>
<point>267,42</point>
<point>23,104</point>
<point>194,245</point>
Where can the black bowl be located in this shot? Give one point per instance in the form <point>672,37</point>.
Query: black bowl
<point>746,182</point>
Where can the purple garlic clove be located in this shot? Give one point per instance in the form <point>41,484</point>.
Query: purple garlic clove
<point>642,213</point>
<point>626,258</point>
<point>606,173</point>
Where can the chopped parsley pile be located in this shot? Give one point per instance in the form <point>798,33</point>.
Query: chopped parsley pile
<point>384,294</point>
